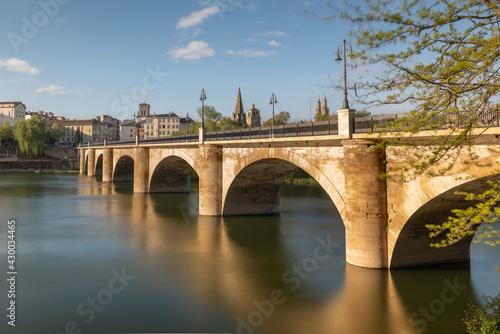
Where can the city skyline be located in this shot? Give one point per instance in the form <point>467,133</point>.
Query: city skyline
<point>81,59</point>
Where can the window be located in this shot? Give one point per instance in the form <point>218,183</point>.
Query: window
<point>168,132</point>
<point>163,132</point>
<point>168,126</point>
<point>163,126</point>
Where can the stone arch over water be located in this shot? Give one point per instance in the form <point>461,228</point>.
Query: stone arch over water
<point>124,169</point>
<point>171,175</point>
<point>254,189</point>
<point>412,245</point>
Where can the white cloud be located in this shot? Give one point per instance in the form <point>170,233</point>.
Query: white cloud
<point>18,65</point>
<point>250,53</point>
<point>274,43</point>
<point>194,50</point>
<point>196,18</point>
<point>55,89</point>
<point>251,40</point>
<point>273,33</point>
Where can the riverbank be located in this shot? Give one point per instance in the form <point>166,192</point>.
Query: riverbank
<point>36,166</point>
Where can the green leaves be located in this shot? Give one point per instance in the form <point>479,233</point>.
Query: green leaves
<point>479,219</point>
<point>441,58</point>
<point>32,135</point>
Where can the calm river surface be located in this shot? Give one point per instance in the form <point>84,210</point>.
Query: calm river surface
<point>95,258</point>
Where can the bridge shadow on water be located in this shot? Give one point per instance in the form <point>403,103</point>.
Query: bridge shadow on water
<point>281,273</point>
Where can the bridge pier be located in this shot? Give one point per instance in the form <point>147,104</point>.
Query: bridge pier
<point>366,208</point>
<point>91,162</point>
<point>107,165</point>
<point>210,174</point>
<point>82,161</point>
<point>141,170</point>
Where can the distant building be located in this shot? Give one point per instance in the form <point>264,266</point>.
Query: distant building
<point>253,117</point>
<point>12,112</point>
<point>159,126</point>
<point>184,123</point>
<point>42,114</point>
<point>322,110</point>
<point>91,130</point>
<point>112,129</point>
<point>128,130</point>
<point>239,114</point>
<point>144,110</point>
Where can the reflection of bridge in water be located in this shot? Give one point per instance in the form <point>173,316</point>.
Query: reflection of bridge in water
<point>384,221</point>
<point>225,275</point>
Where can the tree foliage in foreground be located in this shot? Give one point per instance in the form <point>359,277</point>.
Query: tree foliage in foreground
<point>483,320</point>
<point>442,58</point>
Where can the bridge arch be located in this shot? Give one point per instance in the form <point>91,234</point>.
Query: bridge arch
<point>99,165</point>
<point>171,175</point>
<point>253,185</point>
<point>124,169</point>
<point>409,243</point>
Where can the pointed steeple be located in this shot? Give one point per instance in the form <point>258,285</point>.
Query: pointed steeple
<point>325,110</point>
<point>239,113</point>
<point>318,108</point>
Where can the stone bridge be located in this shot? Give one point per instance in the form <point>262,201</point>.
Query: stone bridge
<point>384,220</point>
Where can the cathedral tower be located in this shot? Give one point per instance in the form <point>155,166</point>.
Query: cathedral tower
<point>239,114</point>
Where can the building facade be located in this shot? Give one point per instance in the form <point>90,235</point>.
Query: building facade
<point>144,110</point>
<point>159,126</point>
<point>112,129</point>
<point>12,112</point>
<point>253,117</point>
<point>128,130</point>
<point>91,130</point>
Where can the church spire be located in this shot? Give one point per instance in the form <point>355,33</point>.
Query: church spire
<point>239,114</point>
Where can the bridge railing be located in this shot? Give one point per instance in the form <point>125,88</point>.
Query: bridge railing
<point>280,131</point>
<point>369,124</point>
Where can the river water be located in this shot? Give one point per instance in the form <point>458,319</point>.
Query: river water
<point>96,258</point>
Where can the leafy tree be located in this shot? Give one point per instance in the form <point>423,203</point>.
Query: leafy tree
<point>483,320</point>
<point>279,119</point>
<point>6,134</point>
<point>194,127</point>
<point>227,123</point>
<point>56,132</point>
<point>211,115</point>
<point>78,137</point>
<point>32,135</point>
<point>441,58</point>
<point>363,113</point>
<point>321,117</point>
<point>214,121</point>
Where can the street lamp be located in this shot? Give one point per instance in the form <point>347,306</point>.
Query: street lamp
<point>273,101</point>
<point>342,49</point>
<point>203,97</point>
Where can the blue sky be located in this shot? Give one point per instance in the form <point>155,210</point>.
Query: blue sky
<point>83,58</point>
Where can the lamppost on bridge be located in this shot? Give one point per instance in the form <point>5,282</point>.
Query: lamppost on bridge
<point>203,97</point>
<point>342,49</point>
<point>273,101</point>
